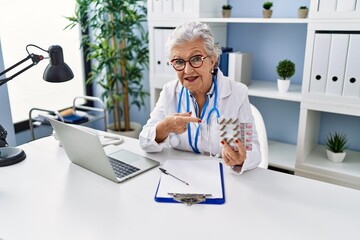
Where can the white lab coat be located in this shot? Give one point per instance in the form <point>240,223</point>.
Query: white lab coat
<point>233,102</point>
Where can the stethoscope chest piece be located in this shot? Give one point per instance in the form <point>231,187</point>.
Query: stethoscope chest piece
<point>174,140</point>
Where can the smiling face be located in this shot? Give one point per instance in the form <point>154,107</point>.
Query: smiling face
<point>197,80</point>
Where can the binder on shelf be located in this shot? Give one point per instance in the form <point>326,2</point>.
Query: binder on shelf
<point>327,5</point>
<point>224,60</point>
<point>205,182</point>
<point>156,6</point>
<point>168,69</point>
<point>352,72</point>
<point>184,9</point>
<point>167,6</point>
<point>345,5</point>
<point>161,63</point>
<point>178,6</point>
<point>240,67</point>
<point>337,63</point>
<point>158,51</point>
<point>319,65</point>
<point>357,6</point>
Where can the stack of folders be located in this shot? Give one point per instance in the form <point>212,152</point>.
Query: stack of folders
<point>335,64</point>
<point>199,177</point>
<point>236,65</point>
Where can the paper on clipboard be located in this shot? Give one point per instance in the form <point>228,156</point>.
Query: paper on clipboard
<point>203,176</point>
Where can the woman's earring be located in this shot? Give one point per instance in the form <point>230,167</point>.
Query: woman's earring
<point>212,71</point>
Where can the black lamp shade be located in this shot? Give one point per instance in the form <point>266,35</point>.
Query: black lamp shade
<point>57,70</point>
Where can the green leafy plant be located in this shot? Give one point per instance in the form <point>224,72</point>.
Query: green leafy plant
<point>285,69</point>
<point>267,5</point>
<point>336,142</point>
<point>303,7</point>
<point>116,44</point>
<point>227,7</point>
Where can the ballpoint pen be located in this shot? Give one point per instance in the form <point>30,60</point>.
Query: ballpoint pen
<point>165,172</point>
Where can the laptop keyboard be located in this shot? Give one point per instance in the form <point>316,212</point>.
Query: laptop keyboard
<point>122,169</point>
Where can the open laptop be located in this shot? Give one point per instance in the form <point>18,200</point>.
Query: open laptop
<point>84,149</point>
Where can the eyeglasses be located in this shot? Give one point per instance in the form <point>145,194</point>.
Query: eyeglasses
<point>195,62</point>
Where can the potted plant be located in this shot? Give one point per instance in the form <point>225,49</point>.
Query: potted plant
<point>267,11</point>
<point>303,12</point>
<point>336,144</point>
<point>226,10</point>
<point>116,44</point>
<point>285,70</point>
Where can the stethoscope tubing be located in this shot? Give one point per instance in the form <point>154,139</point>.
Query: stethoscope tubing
<point>213,109</point>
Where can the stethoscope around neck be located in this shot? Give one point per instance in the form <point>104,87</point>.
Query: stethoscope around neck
<point>175,139</point>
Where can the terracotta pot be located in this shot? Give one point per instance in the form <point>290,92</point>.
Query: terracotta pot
<point>303,13</point>
<point>226,13</point>
<point>267,13</point>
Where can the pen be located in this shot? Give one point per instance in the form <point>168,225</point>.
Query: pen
<point>164,171</point>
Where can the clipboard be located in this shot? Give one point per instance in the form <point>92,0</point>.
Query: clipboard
<point>205,179</point>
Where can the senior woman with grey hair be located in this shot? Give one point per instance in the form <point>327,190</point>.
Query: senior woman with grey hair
<point>193,109</point>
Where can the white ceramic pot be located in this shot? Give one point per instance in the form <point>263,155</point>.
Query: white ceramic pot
<point>133,133</point>
<point>335,157</point>
<point>283,85</point>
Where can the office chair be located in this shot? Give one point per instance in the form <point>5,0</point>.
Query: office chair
<point>262,136</point>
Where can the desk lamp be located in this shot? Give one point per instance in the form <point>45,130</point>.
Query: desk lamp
<point>56,71</point>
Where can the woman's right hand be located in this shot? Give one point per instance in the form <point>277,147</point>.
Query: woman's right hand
<point>176,123</point>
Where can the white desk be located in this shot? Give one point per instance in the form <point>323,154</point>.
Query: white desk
<point>47,197</point>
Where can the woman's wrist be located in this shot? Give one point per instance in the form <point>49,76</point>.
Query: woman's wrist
<point>161,131</point>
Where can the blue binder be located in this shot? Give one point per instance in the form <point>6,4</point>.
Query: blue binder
<point>75,119</point>
<point>224,60</point>
<point>197,197</point>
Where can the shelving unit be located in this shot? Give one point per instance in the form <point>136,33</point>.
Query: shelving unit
<point>311,158</point>
<point>268,89</point>
<point>282,155</point>
<point>305,157</point>
<point>258,88</point>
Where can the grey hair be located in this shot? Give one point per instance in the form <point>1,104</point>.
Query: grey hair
<point>191,31</point>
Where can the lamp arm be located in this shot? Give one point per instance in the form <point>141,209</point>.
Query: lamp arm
<point>35,60</point>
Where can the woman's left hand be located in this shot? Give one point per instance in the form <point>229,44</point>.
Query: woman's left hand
<point>233,155</point>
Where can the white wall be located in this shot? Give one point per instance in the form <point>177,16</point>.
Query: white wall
<point>20,26</point>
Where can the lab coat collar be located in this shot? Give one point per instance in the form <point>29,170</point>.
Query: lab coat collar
<point>224,88</point>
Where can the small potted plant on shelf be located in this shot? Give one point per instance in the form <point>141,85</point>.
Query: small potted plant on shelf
<point>336,144</point>
<point>303,12</point>
<point>285,70</point>
<point>226,10</point>
<point>267,11</point>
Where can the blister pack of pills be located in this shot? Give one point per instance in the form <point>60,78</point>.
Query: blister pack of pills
<point>231,129</point>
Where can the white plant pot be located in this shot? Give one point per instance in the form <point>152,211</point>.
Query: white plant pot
<point>133,133</point>
<point>283,85</point>
<point>335,157</point>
